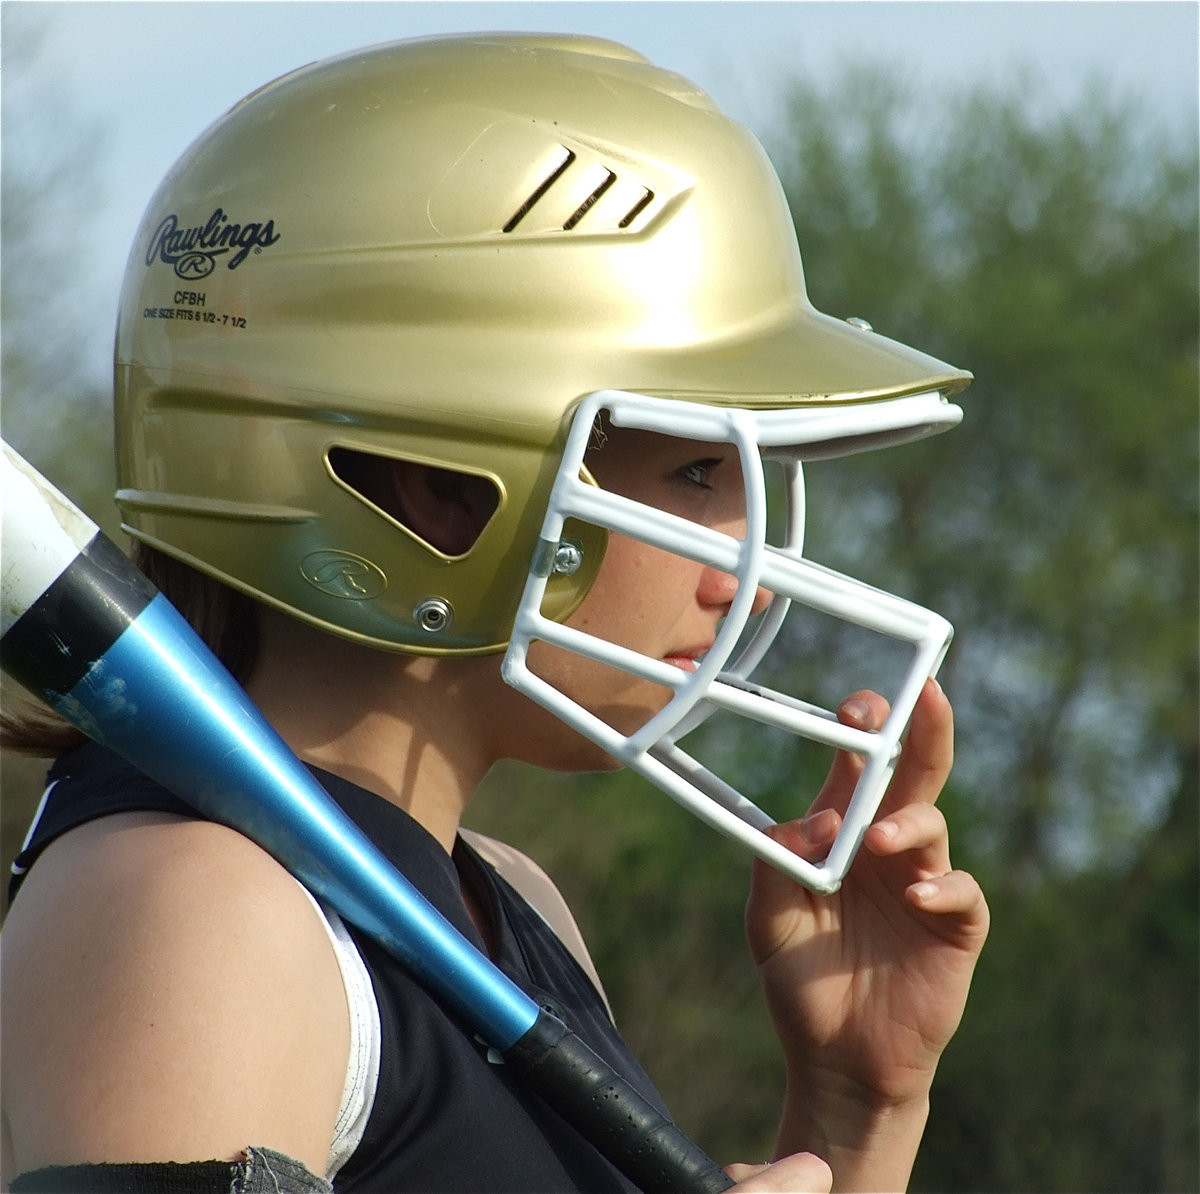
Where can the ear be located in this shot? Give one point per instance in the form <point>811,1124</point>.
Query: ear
<point>447,509</point>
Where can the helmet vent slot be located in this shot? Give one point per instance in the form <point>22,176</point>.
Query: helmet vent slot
<point>539,191</point>
<point>445,509</point>
<point>637,209</point>
<point>586,205</point>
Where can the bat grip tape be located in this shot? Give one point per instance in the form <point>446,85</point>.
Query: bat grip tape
<point>633,1134</point>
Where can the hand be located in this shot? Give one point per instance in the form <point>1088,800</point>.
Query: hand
<point>866,986</point>
<point>801,1173</point>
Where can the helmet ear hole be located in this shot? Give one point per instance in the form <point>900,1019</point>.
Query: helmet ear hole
<point>444,508</point>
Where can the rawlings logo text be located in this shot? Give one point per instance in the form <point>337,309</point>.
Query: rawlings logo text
<point>193,252</point>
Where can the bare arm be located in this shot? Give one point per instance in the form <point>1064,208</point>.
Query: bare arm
<point>170,995</point>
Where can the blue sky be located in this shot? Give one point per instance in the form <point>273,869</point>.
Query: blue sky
<point>148,75</point>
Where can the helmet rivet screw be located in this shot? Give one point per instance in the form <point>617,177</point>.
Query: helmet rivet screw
<point>434,615</point>
<point>568,558</point>
<point>861,324</point>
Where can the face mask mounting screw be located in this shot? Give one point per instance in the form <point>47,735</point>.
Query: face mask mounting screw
<point>434,615</point>
<point>568,557</point>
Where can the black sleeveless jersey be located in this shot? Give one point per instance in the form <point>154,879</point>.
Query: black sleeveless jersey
<point>445,1117</point>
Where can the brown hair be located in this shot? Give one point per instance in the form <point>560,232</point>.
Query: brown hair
<point>225,619</point>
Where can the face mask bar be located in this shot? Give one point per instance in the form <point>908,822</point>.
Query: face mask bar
<point>722,679</point>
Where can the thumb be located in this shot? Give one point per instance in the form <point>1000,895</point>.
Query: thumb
<point>777,901</point>
<point>801,1173</point>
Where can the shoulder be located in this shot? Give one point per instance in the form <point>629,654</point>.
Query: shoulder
<point>539,890</point>
<point>171,994</point>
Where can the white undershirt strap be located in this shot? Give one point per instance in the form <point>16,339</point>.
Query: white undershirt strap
<point>362,1066</point>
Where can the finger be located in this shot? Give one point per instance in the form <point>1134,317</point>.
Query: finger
<point>862,710</point>
<point>928,752</point>
<point>917,830</point>
<point>954,894</point>
<point>811,836</point>
<point>801,1173</point>
<point>741,1172</point>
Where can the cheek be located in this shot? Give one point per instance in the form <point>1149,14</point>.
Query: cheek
<point>629,605</point>
<point>637,596</point>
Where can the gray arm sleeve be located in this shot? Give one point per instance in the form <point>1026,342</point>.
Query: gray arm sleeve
<point>261,1171</point>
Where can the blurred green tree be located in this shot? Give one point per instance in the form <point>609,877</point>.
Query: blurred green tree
<point>1056,258</point>
<point>54,411</point>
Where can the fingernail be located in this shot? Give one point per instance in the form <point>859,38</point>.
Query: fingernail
<point>889,829</point>
<point>923,891</point>
<point>856,710</point>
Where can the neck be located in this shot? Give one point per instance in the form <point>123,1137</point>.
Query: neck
<point>394,724</point>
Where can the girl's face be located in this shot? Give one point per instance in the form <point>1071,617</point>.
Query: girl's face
<point>644,598</point>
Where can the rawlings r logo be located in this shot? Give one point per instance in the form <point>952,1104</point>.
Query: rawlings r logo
<point>193,252</point>
<point>340,574</point>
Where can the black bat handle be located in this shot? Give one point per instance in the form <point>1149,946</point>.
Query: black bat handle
<point>634,1135</point>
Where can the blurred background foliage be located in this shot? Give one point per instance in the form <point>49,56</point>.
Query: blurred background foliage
<point>1056,256</point>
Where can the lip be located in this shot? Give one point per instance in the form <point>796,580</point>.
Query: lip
<point>685,663</point>
<point>688,660</point>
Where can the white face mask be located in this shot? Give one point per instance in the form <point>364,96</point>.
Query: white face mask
<point>723,679</point>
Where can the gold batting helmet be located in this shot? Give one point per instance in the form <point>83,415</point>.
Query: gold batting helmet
<point>432,251</point>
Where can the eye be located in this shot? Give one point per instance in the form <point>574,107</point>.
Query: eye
<point>699,472</point>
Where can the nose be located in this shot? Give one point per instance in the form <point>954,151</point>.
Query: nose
<point>717,589</point>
